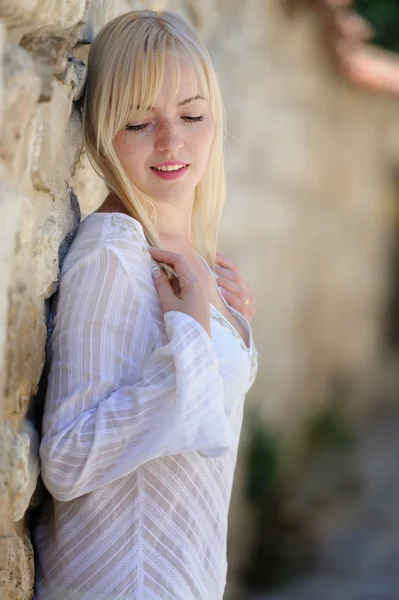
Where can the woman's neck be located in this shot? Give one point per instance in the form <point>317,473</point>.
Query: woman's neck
<point>174,228</point>
<point>174,223</point>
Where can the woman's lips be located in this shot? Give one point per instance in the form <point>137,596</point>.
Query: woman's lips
<point>170,174</point>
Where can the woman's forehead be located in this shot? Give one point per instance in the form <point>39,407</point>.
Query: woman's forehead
<point>179,80</point>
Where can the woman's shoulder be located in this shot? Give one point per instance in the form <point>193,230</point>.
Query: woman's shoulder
<point>125,232</point>
<point>115,232</point>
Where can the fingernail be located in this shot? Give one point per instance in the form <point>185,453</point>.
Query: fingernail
<point>221,290</point>
<point>156,272</point>
<point>217,275</point>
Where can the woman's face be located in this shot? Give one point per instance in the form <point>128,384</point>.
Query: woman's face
<point>176,134</point>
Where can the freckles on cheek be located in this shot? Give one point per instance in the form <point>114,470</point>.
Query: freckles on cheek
<point>119,146</point>
<point>124,149</point>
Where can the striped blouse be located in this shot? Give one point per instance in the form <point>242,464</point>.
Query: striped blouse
<point>141,425</point>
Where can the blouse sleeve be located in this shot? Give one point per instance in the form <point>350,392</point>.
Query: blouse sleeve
<point>108,409</point>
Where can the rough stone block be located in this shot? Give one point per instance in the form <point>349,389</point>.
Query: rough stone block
<point>49,49</point>
<point>25,356</point>
<point>48,167</point>
<point>19,468</point>
<point>16,567</point>
<point>6,438</point>
<point>14,210</point>
<point>54,235</point>
<point>21,93</point>
<point>73,142</point>
<point>81,73</point>
<point>24,467</point>
<point>89,187</point>
<point>22,330</point>
<point>62,14</point>
<point>45,253</point>
<point>74,221</point>
<point>50,52</point>
<point>82,48</point>
<point>2,42</point>
<point>16,12</point>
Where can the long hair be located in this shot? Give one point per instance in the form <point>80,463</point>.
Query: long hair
<point>125,70</point>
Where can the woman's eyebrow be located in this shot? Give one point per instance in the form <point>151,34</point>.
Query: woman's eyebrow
<point>188,100</point>
<point>181,103</point>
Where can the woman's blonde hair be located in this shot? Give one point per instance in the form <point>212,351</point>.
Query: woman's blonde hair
<point>125,71</point>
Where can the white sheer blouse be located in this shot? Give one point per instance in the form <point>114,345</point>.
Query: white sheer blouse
<point>141,425</point>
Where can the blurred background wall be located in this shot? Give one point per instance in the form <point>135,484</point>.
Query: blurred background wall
<point>311,219</point>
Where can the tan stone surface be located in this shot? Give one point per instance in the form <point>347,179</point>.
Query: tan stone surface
<point>88,186</point>
<point>24,463</point>
<point>17,575</point>
<point>15,11</point>
<point>2,43</point>
<point>19,468</point>
<point>6,439</point>
<point>46,48</point>
<point>73,142</point>
<point>12,208</point>
<point>21,93</point>
<point>48,172</point>
<point>25,353</point>
<point>80,72</point>
<point>62,14</point>
<point>23,329</point>
<point>45,252</point>
<point>18,454</point>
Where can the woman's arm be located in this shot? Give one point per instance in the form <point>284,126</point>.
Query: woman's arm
<point>113,402</point>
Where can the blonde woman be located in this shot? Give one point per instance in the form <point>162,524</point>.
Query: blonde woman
<point>150,363</point>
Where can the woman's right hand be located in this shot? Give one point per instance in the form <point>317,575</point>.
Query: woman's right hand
<point>193,300</point>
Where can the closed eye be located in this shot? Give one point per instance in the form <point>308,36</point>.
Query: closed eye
<point>193,119</point>
<point>137,127</point>
<point>142,126</point>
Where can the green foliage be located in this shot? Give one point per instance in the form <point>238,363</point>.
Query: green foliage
<point>273,559</point>
<point>383,15</point>
<point>262,465</point>
<point>328,429</point>
<point>283,547</point>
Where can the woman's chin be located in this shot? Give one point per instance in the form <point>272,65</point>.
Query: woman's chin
<point>173,196</point>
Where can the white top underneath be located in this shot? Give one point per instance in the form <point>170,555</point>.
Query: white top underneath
<point>141,425</point>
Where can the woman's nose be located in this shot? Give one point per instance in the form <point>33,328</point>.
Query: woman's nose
<point>169,139</point>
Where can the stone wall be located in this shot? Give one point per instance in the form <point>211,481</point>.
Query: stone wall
<point>309,162</point>
<point>41,163</point>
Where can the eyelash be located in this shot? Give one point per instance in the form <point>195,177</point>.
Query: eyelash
<point>142,126</point>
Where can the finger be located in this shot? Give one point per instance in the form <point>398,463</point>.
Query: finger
<point>232,299</point>
<point>163,286</point>
<point>238,302</point>
<point>233,287</point>
<point>224,274</point>
<point>229,274</point>
<point>177,261</point>
<point>223,261</point>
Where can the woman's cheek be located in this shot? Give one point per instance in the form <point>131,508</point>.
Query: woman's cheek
<point>128,151</point>
<point>205,143</point>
